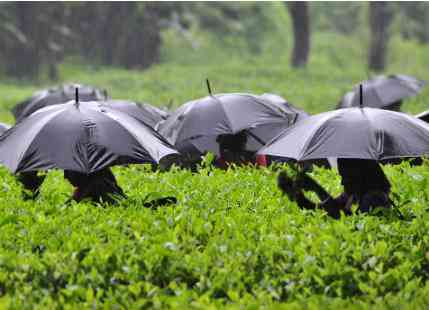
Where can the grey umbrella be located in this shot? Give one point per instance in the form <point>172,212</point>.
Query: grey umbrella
<point>201,121</point>
<point>3,127</point>
<point>363,133</point>
<point>145,113</point>
<point>424,116</point>
<point>83,137</point>
<point>56,95</point>
<point>383,91</point>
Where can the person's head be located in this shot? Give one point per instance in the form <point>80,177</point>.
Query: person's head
<point>232,143</point>
<point>359,176</point>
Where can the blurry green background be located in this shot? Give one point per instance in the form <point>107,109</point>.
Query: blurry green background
<point>240,47</point>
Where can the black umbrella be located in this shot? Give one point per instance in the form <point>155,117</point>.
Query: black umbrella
<point>424,116</point>
<point>363,133</point>
<point>83,137</point>
<point>383,91</point>
<point>56,95</point>
<point>156,111</point>
<point>201,121</point>
<point>3,127</point>
<point>143,112</point>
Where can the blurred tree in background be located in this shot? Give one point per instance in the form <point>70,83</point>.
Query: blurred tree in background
<point>36,37</point>
<point>301,32</point>
<point>414,18</point>
<point>380,18</point>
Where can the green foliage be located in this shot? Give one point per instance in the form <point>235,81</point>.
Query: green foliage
<point>232,240</point>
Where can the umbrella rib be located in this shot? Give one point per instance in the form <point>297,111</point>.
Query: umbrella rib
<point>317,128</point>
<point>150,132</point>
<point>255,137</point>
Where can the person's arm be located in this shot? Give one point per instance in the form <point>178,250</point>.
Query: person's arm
<point>306,182</point>
<point>334,206</point>
<point>303,202</point>
<point>294,192</point>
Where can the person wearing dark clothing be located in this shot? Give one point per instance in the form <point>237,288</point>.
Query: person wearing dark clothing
<point>31,181</point>
<point>99,186</point>
<point>364,182</point>
<point>232,151</point>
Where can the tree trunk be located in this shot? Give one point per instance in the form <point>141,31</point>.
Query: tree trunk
<point>301,33</point>
<point>151,36</point>
<point>26,59</point>
<point>380,18</point>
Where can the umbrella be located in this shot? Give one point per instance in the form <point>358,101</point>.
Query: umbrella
<point>56,95</point>
<point>201,121</point>
<point>424,116</point>
<point>383,91</point>
<point>363,133</point>
<point>145,113</point>
<point>82,137</point>
<point>156,111</point>
<point>3,127</point>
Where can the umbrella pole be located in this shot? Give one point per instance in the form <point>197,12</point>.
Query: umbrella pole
<point>76,96</point>
<point>360,95</point>
<point>208,87</point>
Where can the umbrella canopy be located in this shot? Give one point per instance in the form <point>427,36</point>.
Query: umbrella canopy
<point>363,133</point>
<point>3,127</point>
<point>424,116</point>
<point>383,91</point>
<point>56,95</point>
<point>83,137</point>
<point>145,113</point>
<point>201,121</point>
<point>156,111</point>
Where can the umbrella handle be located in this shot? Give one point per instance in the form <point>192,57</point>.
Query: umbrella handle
<point>76,96</point>
<point>360,95</point>
<point>208,87</point>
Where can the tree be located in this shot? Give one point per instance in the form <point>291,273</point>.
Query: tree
<point>380,17</point>
<point>415,20</point>
<point>301,33</point>
<point>30,34</point>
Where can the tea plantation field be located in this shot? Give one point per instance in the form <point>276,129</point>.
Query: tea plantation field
<point>232,241</point>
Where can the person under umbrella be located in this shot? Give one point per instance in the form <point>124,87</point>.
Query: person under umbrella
<point>56,95</point>
<point>80,137</point>
<point>204,121</point>
<point>99,186</point>
<point>364,182</point>
<point>31,181</point>
<point>355,136</point>
<point>384,92</point>
<point>232,149</point>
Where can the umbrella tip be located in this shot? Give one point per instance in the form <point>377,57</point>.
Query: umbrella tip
<point>360,96</point>
<point>76,96</point>
<point>208,87</point>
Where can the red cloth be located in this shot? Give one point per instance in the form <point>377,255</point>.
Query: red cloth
<point>261,160</point>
